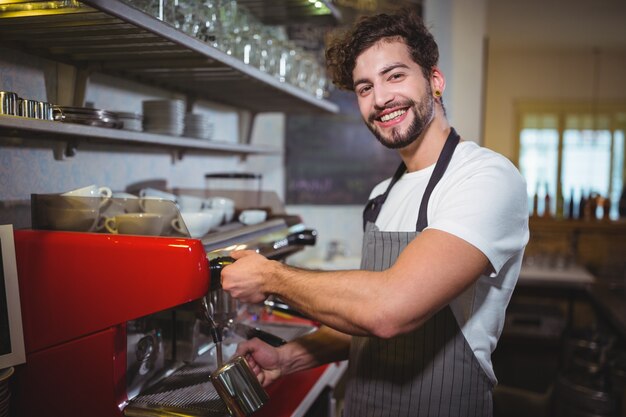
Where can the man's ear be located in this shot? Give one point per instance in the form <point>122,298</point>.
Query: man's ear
<point>437,81</point>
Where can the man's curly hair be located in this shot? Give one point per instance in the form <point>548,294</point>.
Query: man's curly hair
<point>405,24</point>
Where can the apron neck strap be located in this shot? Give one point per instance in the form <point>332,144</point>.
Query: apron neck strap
<point>440,168</point>
<point>373,206</point>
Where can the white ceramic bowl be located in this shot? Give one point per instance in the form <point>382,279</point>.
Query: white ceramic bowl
<point>197,223</point>
<point>223,203</point>
<point>252,216</point>
<point>190,202</point>
<point>123,203</point>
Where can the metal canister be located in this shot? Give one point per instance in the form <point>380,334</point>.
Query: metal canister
<point>44,111</point>
<point>238,387</point>
<point>27,108</point>
<point>8,103</point>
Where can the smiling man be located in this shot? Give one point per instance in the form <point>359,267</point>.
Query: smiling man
<point>443,245</point>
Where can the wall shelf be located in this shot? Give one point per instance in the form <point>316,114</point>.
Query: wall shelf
<point>70,136</point>
<point>111,37</point>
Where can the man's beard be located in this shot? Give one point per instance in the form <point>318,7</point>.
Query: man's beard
<point>424,113</point>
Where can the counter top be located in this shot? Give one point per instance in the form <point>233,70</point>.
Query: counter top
<point>611,303</point>
<point>573,276</point>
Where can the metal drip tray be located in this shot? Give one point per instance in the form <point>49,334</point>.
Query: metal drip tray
<point>187,392</point>
<point>285,331</point>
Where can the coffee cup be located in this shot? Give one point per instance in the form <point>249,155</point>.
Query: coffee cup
<point>91,196</point>
<point>149,224</point>
<point>238,387</point>
<point>252,216</point>
<point>71,219</point>
<point>166,208</point>
<point>226,204</point>
<point>196,224</point>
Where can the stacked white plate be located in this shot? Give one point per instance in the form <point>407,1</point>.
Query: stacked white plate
<point>165,117</point>
<point>198,126</point>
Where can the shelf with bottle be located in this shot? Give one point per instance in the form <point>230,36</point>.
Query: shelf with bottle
<point>581,205</point>
<point>551,225</point>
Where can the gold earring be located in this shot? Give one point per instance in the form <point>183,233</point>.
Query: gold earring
<point>437,93</point>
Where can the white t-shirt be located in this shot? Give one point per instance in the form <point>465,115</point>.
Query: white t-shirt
<point>481,199</point>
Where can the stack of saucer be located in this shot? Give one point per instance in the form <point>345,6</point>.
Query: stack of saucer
<point>130,121</point>
<point>165,117</point>
<point>198,126</point>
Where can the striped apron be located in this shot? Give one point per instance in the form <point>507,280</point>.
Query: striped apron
<point>431,371</point>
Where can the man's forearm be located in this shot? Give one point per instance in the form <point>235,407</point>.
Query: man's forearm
<point>342,300</point>
<point>324,346</point>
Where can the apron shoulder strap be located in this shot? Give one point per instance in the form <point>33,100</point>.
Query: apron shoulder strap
<point>373,206</point>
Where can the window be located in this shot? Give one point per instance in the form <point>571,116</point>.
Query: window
<point>572,152</point>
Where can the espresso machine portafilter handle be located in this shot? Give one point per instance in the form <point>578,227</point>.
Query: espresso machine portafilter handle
<point>219,307</point>
<point>222,306</point>
<point>307,237</point>
<point>213,303</point>
<point>215,271</point>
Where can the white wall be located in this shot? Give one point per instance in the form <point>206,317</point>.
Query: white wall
<point>459,27</point>
<point>561,75</point>
<point>546,50</point>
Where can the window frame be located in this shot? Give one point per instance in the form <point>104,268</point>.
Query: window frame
<point>561,110</point>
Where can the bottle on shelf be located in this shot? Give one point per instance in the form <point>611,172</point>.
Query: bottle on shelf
<point>591,207</point>
<point>581,205</point>
<point>570,206</point>
<point>535,212</point>
<point>606,208</point>
<point>547,206</point>
<point>622,203</point>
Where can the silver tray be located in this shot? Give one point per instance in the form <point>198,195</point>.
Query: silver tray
<point>86,116</point>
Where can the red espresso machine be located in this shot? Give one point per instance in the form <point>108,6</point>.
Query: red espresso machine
<point>112,324</point>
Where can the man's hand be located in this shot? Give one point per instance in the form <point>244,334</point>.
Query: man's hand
<point>245,279</point>
<point>264,360</point>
